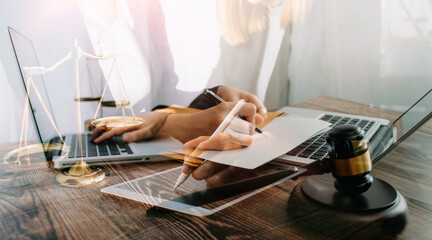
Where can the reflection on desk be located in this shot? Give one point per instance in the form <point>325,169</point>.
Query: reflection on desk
<point>32,205</point>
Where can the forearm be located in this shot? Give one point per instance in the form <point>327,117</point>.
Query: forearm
<point>184,127</point>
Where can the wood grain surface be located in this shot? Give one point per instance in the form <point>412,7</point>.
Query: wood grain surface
<point>33,206</point>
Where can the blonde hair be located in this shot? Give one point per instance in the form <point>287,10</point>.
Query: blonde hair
<point>238,19</point>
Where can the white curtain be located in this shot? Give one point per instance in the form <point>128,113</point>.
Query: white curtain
<point>368,51</point>
<point>11,111</point>
<point>336,50</point>
<point>407,38</point>
<point>406,44</point>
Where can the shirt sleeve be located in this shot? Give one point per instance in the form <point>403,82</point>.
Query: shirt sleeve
<point>202,101</point>
<point>168,93</point>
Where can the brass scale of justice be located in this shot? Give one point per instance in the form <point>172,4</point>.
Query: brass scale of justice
<point>80,174</point>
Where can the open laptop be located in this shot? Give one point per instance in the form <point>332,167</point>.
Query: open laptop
<point>112,151</point>
<point>377,131</point>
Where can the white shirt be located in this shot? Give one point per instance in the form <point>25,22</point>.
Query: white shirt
<point>274,39</point>
<point>107,38</point>
<point>259,65</point>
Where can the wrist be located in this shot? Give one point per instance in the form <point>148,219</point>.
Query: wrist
<point>181,127</point>
<point>186,127</point>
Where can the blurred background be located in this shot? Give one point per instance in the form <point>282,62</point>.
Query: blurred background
<point>378,53</point>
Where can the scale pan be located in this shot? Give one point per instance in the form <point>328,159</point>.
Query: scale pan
<point>117,121</point>
<point>36,153</point>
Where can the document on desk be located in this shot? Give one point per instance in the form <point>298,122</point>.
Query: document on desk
<point>280,136</point>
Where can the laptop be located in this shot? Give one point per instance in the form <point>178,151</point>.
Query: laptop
<point>111,151</point>
<point>381,135</point>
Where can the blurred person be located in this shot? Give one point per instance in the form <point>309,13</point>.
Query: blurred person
<point>255,46</point>
<point>136,30</point>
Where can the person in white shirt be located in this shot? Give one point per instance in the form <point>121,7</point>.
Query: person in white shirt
<point>252,58</point>
<point>257,47</point>
<point>136,30</point>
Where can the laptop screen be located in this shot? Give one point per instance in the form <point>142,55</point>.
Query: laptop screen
<point>414,115</point>
<point>26,57</point>
<point>403,126</point>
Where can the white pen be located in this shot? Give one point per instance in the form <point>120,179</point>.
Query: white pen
<point>215,98</point>
<point>231,115</point>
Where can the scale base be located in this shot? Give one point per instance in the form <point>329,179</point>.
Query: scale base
<point>80,175</point>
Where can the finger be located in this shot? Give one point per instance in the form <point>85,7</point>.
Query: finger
<point>207,169</point>
<point>189,147</point>
<point>254,99</point>
<point>233,94</point>
<point>139,134</point>
<point>238,142</point>
<point>224,141</point>
<point>109,134</point>
<point>191,151</point>
<point>97,132</point>
<point>236,135</point>
<point>248,110</point>
<point>187,169</point>
<point>240,126</point>
<point>259,119</point>
<point>192,161</point>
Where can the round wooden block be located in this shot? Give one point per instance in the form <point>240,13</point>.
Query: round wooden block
<point>321,188</point>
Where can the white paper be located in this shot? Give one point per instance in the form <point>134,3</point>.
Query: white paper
<point>281,135</point>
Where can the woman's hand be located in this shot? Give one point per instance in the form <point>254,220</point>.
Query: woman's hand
<point>237,135</point>
<point>153,121</point>
<point>230,94</point>
<point>186,127</point>
<point>213,173</point>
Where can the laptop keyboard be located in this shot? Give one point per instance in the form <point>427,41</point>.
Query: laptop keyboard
<point>316,147</point>
<point>111,147</point>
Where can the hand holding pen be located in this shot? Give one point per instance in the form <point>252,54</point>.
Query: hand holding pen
<point>218,141</point>
<point>215,98</point>
<point>231,94</point>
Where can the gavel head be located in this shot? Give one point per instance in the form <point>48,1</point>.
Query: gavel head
<point>349,159</point>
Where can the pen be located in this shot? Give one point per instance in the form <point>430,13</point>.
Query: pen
<point>215,98</point>
<point>231,115</point>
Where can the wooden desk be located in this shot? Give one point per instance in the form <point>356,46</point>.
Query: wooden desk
<point>32,205</point>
